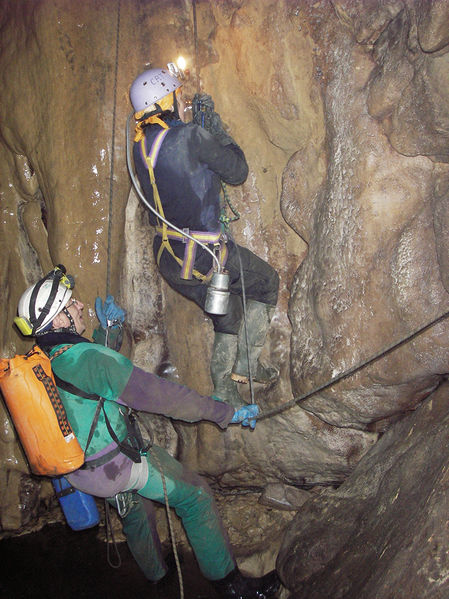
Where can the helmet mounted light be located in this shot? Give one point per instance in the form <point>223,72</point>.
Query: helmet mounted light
<point>178,68</point>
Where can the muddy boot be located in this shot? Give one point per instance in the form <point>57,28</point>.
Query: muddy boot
<point>223,358</point>
<point>258,318</point>
<point>237,586</point>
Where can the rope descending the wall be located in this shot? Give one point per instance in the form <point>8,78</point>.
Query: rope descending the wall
<point>295,401</point>
<point>111,177</point>
<point>195,39</point>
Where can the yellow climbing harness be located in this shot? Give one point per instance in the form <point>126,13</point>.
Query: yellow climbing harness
<point>216,238</point>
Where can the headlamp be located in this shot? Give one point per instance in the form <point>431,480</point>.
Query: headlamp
<point>178,68</point>
<point>59,272</point>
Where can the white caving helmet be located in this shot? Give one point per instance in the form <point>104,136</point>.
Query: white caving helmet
<point>150,87</point>
<point>41,302</point>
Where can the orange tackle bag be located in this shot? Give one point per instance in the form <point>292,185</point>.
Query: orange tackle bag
<point>39,416</point>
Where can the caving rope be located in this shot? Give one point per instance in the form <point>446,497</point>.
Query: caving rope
<point>347,373</point>
<point>225,221</point>
<point>195,39</point>
<point>107,519</point>
<point>111,176</point>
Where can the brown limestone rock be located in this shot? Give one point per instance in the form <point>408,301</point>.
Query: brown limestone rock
<point>385,528</point>
<point>312,108</point>
<point>409,87</point>
<point>433,24</point>
<point>371,276</point>
<point>367,18</point>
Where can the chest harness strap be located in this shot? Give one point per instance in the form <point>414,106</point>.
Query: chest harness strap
<point>217,238</point>
<point>132,445</point>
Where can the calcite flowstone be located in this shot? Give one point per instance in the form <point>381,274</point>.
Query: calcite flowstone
<point>373,272</point>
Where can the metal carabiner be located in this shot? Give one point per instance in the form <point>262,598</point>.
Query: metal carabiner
<point>123,503</point>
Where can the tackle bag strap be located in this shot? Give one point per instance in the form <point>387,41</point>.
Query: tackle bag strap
<point>93,426</point>
<point>76,391</point>
<point>133,451</point>
<point>128,450</point>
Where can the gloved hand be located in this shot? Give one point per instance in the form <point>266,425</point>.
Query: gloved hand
<point>246,415</point>
<point>201,104</point>
<point>203,114</point>
<point>109,311</point>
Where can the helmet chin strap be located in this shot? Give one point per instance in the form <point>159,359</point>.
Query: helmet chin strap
<point>71,328</point>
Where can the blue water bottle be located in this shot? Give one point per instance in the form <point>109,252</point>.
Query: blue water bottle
<point>80,509</point>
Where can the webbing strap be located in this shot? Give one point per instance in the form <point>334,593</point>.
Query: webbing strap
<point>165,245</point>
<point>151,160</point>
<point>64,492</point>
<point>154,152</point>
<point>187,270</point>
<point>203,236</point>
<point>122,446</point>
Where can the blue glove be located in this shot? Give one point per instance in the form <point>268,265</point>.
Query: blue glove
<point>246,415</point>
<point>108,312</point>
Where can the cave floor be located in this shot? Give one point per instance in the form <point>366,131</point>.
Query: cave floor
<point>58,562</point>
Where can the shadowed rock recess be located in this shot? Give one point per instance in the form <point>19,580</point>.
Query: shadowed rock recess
<point>342,109</point>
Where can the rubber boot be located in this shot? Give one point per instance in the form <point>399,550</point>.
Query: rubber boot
<point>258,318</point>
<point>237,586</point>
<point>223,358</point>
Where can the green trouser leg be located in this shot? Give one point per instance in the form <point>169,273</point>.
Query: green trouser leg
<point>139,528</point>
<point>193,502</point>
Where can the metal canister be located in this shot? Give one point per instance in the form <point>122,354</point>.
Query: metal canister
<point>217,296</point>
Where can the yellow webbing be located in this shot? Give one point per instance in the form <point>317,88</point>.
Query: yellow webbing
<point>157,201</point>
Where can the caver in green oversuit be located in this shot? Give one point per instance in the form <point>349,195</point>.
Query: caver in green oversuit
<point>105,385</point>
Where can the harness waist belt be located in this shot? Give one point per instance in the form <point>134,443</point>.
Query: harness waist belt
<point>213,237</point>
<point>95,462</point>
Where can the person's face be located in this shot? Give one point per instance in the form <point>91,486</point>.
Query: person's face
<point>75,308</point>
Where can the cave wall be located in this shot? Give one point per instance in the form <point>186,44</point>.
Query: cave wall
<point>341,109</point>
<point>383,532</point>
<point>375,272</point>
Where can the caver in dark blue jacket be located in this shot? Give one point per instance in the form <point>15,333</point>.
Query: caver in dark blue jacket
<point>188,167</point>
